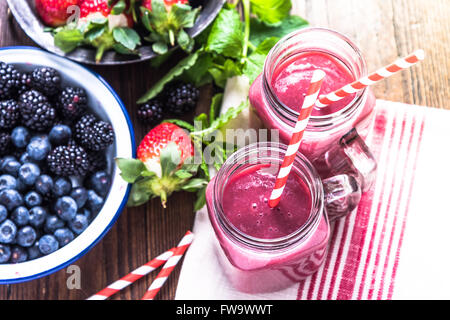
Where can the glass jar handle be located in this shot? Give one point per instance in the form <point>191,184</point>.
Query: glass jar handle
<point>342,195</point>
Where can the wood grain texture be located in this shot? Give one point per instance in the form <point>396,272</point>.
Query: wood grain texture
<point>383,29</point>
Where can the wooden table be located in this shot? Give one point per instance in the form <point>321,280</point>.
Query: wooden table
<point>383,29</point>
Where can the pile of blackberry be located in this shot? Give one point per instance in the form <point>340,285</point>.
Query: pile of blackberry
<point>178,99</point>
<point>53,178</point>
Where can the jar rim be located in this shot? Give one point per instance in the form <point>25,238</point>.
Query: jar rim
<point>324,121</point>
<point>314,187</point>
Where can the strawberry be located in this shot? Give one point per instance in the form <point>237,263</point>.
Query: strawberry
<point>168,3</point>
<point>54,12</point>
<point>157,139</point>
<point>162,166</point>
<point>103,7</point>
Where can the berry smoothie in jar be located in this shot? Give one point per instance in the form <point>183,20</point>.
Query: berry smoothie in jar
<point>277,95</point>
<point>266,249</point>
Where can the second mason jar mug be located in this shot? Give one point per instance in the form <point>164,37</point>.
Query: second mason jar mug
<point>277,95</point>
<point>266,249</point>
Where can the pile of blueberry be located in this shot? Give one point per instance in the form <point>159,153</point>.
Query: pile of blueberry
<point>53,178</point>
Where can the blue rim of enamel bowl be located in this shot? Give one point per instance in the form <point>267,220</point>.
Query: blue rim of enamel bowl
<point>125,199</point>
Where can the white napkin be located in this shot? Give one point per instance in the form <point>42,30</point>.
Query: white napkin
<point>394,246</point>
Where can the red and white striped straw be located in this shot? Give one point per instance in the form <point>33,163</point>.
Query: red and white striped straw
<point>374,77</point>
<point>161,278</point>
<point>294,144</point>
<point>133,276</point>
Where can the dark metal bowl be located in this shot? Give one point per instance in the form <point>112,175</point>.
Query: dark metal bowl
<point>28,19</point>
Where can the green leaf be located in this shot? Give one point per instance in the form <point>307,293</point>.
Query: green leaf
<point>119,7</point>
<point>185,41</point>
<point>214,110</point>
<point>198,74</point>
<point>176,71</point>
<point>271,11</point>
<point>127,37</point>
<point>260,31</point>
<point>221,74</point>
<point>183,174</point>
<point>139,195</point>
<point>131,169</point>
<point>255,62</point>
<point>122,50</point>
<point>203,119</point>
<point>194,185</point>
<point>226,36</point>
<point>94,32</point>
<point>183,16</point>
<point>67,40</point>
<point>201,199</point>
<point>170,158</point>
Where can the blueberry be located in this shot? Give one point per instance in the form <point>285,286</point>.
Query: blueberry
<point>3,213</point>
<point>5,253</point>
<point>38,148</point>
<point>8,231</point>
<point>10,198</point>
<point>80,196</point>
<point>37,216</point>
<point>28,173</point>
<point>33,251</point>
<point>60,135</point>
<point>66,208</point>
<point>64,236</point>
<point>20,137</point>
<point>61,187</point>
<point>87,213</point>
<point>48,244</point>
<point>44,184</point>
<point>20,216</point>
<point>7,182</point>
<point>4,161</point>
<point>12,167</point>
<point>26,236</point>
<point>100,182</point>
<point>79,223</point>
<point>20,186</point>
<point>18,255</point>
<point>32,199</point>
<point>52,223</point>
<point>94,202</point>
<point>25,158</point>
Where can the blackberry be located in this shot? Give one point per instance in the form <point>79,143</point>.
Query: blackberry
<point>97,161</point>
<point>8,80</point>
<point>151,112</point>
<point>68,161</point>
<point>47,80</point>
<point>72,102</point>
<point>92,134</point>
<point>37,113</point>
<point>181,97</point>
<point>5,143</point>
<point>24,83</point>
<point>9,114</point>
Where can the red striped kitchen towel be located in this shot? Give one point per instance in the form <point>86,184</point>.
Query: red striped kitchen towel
<point>394,246</point>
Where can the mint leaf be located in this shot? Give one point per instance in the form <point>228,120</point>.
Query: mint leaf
<point>68,39</point>
<point>221,73</point>
<point>261,31</point>
<point>131,169</point>
<point>198,74</point>
<point>271,11</point>
<point>226,36</point>
<point>127,37</point>
<point>203,119</point>
<point>255,62</point>
<point>176,71</point>
<point>170,158</point>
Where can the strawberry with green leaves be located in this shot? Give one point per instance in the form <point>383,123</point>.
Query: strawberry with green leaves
<point>103,24</point>
<point>54,12</point>
<point>164,165</point>
<point>167,20</point>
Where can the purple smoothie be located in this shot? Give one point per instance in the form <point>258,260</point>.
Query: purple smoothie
<point>245,203</point>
